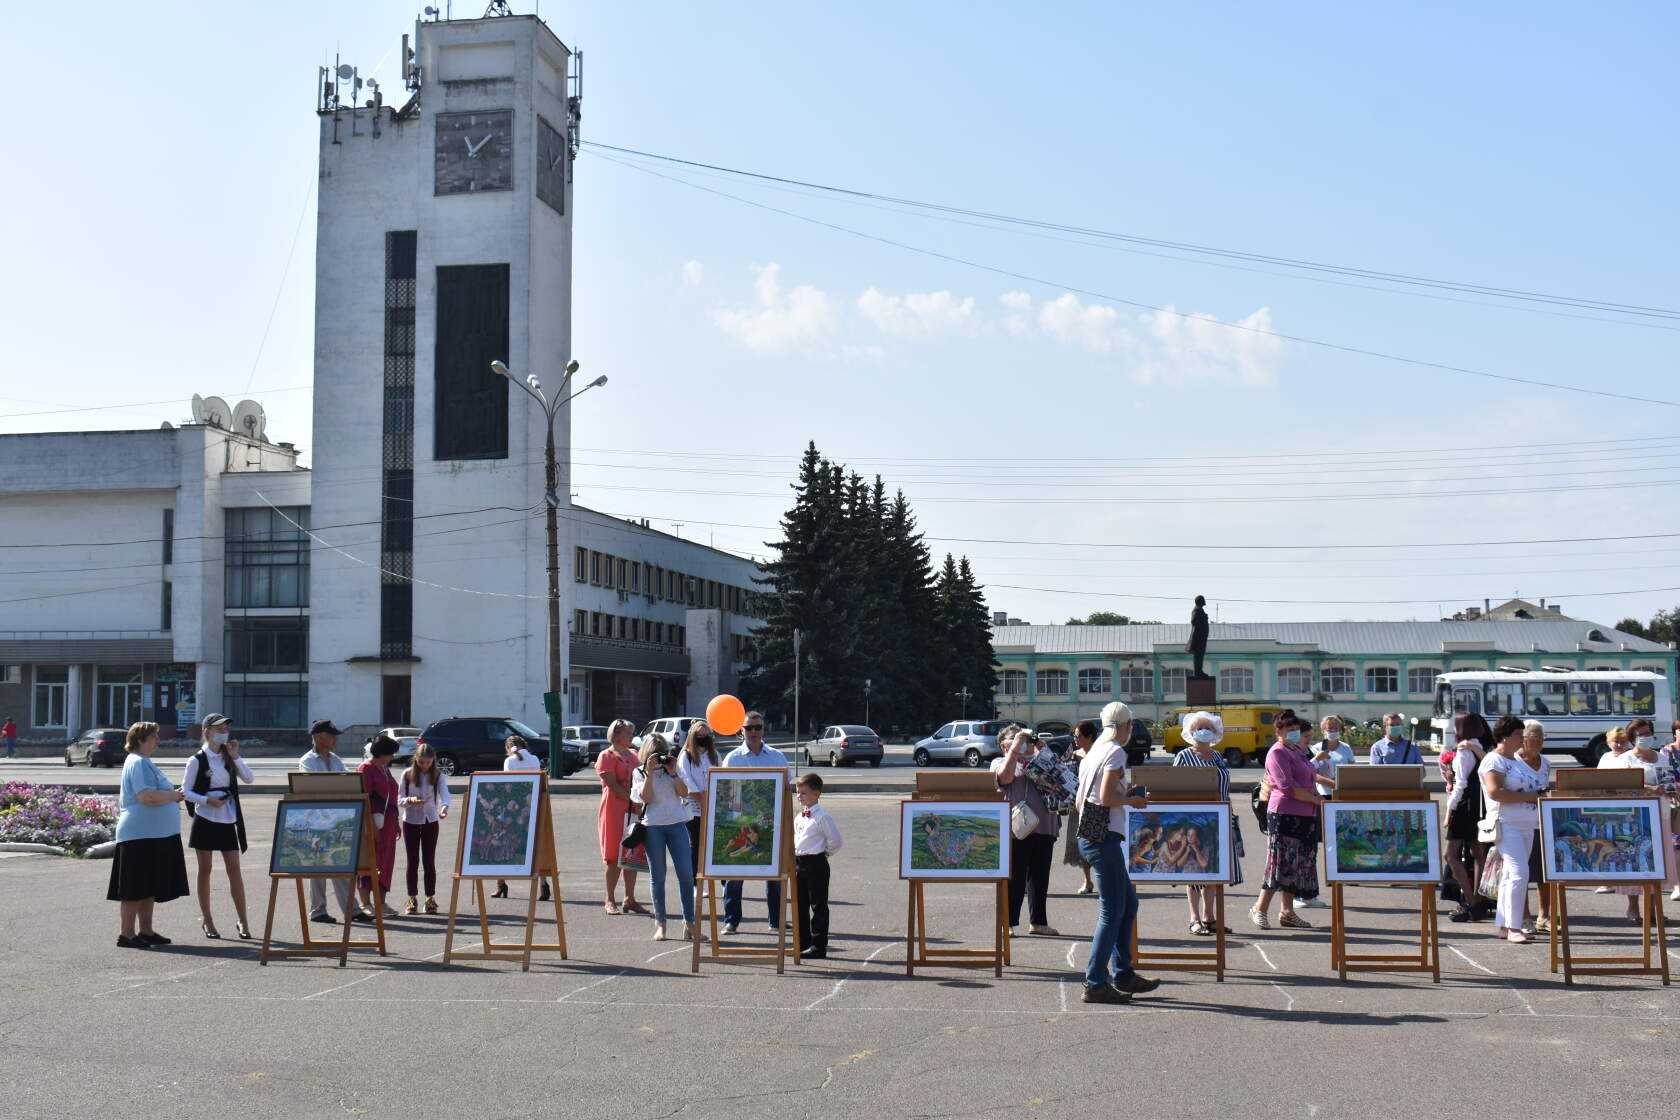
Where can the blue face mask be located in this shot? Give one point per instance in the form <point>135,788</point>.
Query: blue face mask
<point>1292,736</point>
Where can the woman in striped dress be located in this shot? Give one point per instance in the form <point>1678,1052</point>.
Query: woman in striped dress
<point>1203,731</point>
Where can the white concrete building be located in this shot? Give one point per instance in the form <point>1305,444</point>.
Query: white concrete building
<point>143,578</point>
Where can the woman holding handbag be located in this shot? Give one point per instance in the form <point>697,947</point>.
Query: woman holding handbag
<point>614,766</point>
<point>1465,807</point>
<point>1103,798</point>
<point>382,793</point>
<point>1291,826</point>
<point>1033,831</point>
<point>1512,788</point>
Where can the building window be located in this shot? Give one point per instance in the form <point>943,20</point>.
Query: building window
<point>1172,681</point>
<point>1236,680</point>
<point>635,576</point>
<point>116,695</point>
<point>470,402</point>
<point>266,704</point>
<point>1052,682</point>
<point>1294,682</point>
<point>1012,682</point>
<point>623,580</point>
<point>52,687</point>
<point>1660,670</point>
<point>1335,680</point>
<point>1421,682</point>
<point>580,622</point>
<point>168,538</point>
<point>11,674</point>
<point>267,558</point>
<point>168,606</point>
<point>1096,682</point>
<point>1135,681</point>
<point>267,645</point>
<point>580,565</point>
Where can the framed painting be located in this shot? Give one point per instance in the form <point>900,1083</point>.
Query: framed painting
<point>501,825</point>
<point>742,835</point>
<point>1382,842</point>
<point>953,840</point>
<point>1597,840</point>
<point>1179,843</point>
<point>316,837</point>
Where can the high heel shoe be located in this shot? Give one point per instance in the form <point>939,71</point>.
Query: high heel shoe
<point>242,930</point>
<point>501,891</point>
<point>209,930</point>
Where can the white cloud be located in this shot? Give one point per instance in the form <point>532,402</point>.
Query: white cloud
<point>866,353</point>
<point>1198,347</point>
<point>1017,306</point>
<point>919,314</point>
<point>694,274</point>
<point>777,320</point>
<point>1095,327</point>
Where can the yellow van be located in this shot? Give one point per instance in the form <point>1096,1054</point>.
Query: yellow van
<point>1248,730</point>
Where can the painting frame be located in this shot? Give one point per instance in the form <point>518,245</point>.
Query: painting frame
<point>1562,817</point>
<point>348,818</point>
<point>501,826</point>
<point>1419,866</point>
<point>741,800</point>
<point>994,814</point>
<point>1205,814</point>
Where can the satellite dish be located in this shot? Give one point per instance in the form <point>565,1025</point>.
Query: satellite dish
<point>167,426</point>
<point>249,419</point>
<point>213,411</point>
<point>345,71</point>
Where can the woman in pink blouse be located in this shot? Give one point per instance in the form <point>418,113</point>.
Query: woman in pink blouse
<point>1291,826</point>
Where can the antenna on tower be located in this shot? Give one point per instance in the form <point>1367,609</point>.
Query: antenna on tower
<point>497,8</point>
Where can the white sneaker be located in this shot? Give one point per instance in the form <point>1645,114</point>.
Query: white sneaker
<point>1316,903</point>
<point>659,931</point>
<point>1674,895</point>
<point>1602,890</point>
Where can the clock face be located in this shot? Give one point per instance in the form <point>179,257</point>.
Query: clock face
<point>551,166</point>
<point>474,152</point>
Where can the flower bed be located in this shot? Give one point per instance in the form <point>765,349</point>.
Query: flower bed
<point>31,814</point>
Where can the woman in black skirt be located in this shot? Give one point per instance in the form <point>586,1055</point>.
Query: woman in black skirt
<point>1465,806</point>
<point>1084,737</point>
<point>211,787</point>
<point>149,867</point>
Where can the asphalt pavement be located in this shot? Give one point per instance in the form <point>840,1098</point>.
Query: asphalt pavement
<point>622,1029</point>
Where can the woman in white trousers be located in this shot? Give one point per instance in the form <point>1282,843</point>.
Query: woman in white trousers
<point>1512,787</point>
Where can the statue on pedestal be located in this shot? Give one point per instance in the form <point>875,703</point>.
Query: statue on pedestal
<point>1197,646</point>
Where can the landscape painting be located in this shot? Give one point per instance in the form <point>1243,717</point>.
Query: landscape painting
<point>1382,842</point>
<point>1179,843</point>
<point>742,835</point>
<point>501,825</point>
<point>316,837</point>
<point>954,840</point>
<point>1602,841</point>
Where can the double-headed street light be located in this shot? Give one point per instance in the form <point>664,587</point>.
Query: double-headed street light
<point>551,495</point>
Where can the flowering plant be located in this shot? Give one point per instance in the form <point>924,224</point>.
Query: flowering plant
<point>32,814</point>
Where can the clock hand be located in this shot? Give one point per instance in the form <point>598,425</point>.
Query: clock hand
<point>555,162</point>
<point>474,149</point>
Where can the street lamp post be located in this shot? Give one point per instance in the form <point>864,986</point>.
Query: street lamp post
<point>866,683</point>
<point>965,694</point>
<point>551,498</point>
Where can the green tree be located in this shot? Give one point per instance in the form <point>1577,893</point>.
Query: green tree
<point>966,630</point>
<point>1633,626</point>
<point>1110,618</point>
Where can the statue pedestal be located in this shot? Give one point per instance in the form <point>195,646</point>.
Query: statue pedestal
<point>1200,692</point>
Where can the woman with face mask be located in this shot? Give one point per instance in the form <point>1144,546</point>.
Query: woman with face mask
<point>1660,778</point>
<point>1466,806</point>
<point>211,789</point>
<point>1291,827</point>
<point>1203,731</point>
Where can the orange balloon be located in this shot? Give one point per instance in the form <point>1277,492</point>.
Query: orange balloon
<point>725,714</point>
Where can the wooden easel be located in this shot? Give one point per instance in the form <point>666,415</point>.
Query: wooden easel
<point>1384,783</point>
<point>544,866</point>
<point>934,786</point>
<point>706,895</point>
<point>367,863</point>
<point>1188,785</point>
<point>1618,785</point>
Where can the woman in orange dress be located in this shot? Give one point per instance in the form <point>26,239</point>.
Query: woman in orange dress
<point>615,765</point>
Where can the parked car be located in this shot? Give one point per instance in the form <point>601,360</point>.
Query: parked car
<point>972,742</point>
<point>103,746</point>
<point>842,744</point>
<point>467,743</point>
<point>1248,731</point>
<point>588,738</point>
<point>407,739</point>
<point>674,728</point>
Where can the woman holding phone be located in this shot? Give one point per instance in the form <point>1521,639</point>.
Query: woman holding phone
<point>211,789</point>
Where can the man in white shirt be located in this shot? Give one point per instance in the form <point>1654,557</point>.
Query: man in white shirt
<point>752,752</point>
<point>322,759</point>
<point>520,757</point>
<point>815,838</point>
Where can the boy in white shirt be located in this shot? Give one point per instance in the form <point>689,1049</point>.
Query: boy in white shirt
<point>815,836</point>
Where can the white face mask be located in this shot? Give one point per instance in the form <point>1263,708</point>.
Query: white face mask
<point>1203,734</point>
<point>218,737</point>
<point>1332,735</point>
<point>1645,742</point>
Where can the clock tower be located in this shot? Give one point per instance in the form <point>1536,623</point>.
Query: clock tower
<point>444,242</point>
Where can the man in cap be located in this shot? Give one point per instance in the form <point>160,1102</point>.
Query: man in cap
<point>321,759</point>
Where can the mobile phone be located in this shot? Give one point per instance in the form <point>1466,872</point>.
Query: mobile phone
<point>1138,791</point>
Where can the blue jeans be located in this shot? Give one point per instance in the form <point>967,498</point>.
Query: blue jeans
<point>1117,906</point>
<point>732,901</point>
<point>11,747</point>
<point>672,840</point>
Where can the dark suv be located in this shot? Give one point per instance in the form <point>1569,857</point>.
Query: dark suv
<point>103,746</point>
<point>467,743</point>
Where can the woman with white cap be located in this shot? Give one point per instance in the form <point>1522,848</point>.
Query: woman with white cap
<point>1203,731</point>
<point>1103,799</point>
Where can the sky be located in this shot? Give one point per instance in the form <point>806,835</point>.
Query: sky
<point>1097,423</point>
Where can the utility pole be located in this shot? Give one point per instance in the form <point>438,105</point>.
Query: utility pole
<point>965,694</point>
<point>866,683</point>
<point>798,747</point>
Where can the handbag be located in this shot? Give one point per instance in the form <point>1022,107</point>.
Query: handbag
<point>1093,822</point>
<point>1023,821</point>
<point>635,836</point>
<point>1487,830</point>
<point>1492,872</point>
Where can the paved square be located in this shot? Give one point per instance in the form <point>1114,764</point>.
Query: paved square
<point>623,1029</point>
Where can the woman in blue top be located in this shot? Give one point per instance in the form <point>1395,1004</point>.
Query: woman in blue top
<point>149,866</point>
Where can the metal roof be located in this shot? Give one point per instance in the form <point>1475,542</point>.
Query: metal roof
<point>1346,638</point>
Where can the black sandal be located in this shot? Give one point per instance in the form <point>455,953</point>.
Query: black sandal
<point>1201,929</point>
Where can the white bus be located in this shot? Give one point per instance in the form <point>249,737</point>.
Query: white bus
<point>1577,706</point>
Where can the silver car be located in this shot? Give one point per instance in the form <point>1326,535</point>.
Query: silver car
<point>407,739</point>
<point>842,744</point>
<point>972,742</point>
